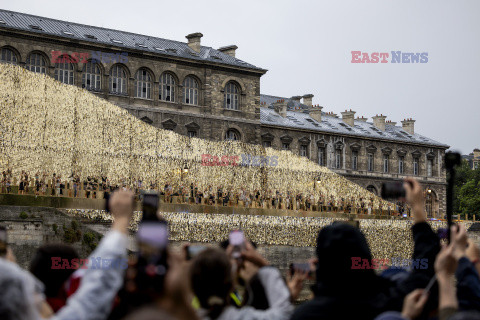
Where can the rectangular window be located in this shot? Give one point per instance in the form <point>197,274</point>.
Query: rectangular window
<point>321,156</point>
<point>401,162</point>
<point>355,160</point>
<point>386,159</point>
<point>192,134</point>
<point>415,167</point>
<point>370,162</point>
<point>267,144</point>
<point>285,146</point>
<point>429,168</point>
<point>338,159</point>
<point>303,151</point>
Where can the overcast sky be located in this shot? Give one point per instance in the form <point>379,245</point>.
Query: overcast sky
<point>306,46</point>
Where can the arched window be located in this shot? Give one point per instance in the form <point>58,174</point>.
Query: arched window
<point>91,76</point>
<point>190,91</point>
<point>118,80</point>
<point>8,56</point>
<point>232,135</point>
<point>64,71</point>
<point>167,88</point>
<point>231,96</point>
<point>143,84</point>
<point>36,63</point>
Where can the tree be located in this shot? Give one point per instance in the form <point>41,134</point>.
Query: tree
<point>467,191</point>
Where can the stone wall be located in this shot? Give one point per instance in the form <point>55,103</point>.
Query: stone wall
<point>25,236</point>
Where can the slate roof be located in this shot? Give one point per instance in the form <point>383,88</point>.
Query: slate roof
<point>300,119</point>
<point>76,31</point>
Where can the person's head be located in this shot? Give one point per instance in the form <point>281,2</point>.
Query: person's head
<point>42,263</point>
<point>337,245</point>
<point>20,293</point>
<point>211,276</point>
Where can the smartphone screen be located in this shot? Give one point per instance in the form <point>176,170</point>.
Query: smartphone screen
<point>152,266</point>
<point>237,240</point>
<point>153,233</point>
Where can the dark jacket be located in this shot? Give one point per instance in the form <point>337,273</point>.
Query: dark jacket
<point>468,285</point>
<point>345,293</point>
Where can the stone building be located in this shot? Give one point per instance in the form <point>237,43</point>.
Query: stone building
<point>473,159</point>
<point>209,93</point>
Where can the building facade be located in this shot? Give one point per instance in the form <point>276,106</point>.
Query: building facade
<point>473,159</point>
<point>209,93</point>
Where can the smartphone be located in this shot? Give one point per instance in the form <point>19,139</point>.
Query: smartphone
<point>237,240</point>
<point>152,240</point>
<point>3,241</point>
<point>302,267</point>
<point>150,207</point>
<point>394,190</point>
<point>193,251</point>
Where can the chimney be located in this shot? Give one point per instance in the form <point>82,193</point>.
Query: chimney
<point>230,50</point>
<point>349,117</point>
<point>307,99</point>
<point>476,154</point>
<point>408,125</point>
<point>331,114</point>
<point>316,113</point>
<point>280,106</point>
<point>363,119</point>
<point>390,123</point>
<point>296,98</point>
<point>379,122</point>
<point>194,41</point>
